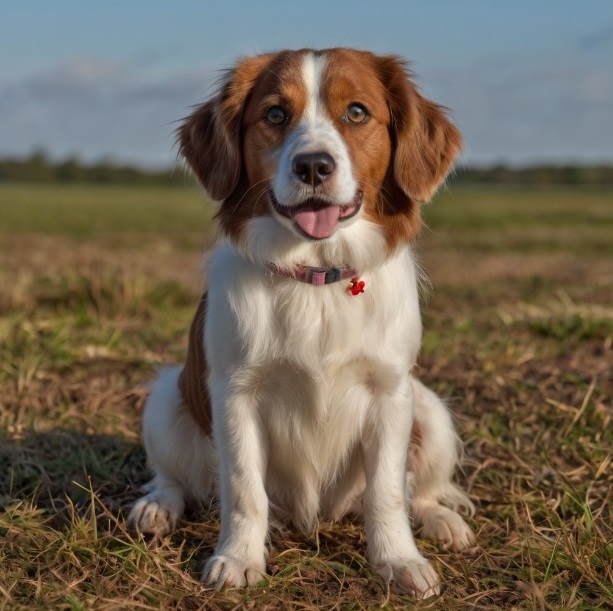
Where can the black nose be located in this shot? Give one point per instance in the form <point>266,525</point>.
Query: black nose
<point>313,168</point>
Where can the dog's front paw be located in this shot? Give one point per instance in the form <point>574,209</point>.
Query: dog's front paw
<point>449,530</point>
<point>155,515</point>
<point>226,572</point>
<point>414,576</point>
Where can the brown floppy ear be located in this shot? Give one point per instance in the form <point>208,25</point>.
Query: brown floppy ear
<point>425,141</point>
<point>210,138</point>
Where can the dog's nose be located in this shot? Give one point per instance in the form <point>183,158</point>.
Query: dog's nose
<point>313,168</point>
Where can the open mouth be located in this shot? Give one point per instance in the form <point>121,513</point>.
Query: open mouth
<point>315,218</point>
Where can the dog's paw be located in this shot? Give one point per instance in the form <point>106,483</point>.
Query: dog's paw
<point>448,530</point>
<point>414,576</point>
<point>153,516</point>
<point>226,572</point>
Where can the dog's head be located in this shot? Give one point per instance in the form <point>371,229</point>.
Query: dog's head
<point>316,152</point>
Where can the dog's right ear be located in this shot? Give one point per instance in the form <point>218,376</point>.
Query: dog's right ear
<point>210,138</point>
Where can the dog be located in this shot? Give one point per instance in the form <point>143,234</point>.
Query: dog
<point>297,399</point>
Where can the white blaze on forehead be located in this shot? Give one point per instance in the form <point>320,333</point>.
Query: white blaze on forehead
<point>315,132</point>
<point>313,68</point>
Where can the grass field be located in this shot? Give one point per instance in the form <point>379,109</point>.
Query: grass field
<point>98,286</point>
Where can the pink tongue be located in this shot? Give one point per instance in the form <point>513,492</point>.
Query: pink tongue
<point>318,223</point>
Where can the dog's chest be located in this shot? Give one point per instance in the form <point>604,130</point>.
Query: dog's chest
<point>338,356</point>
<point>312,335</point>
<point>321,327</point>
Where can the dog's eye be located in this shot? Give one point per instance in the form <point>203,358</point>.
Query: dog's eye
<point>275,115</point>
<point>355,113</point>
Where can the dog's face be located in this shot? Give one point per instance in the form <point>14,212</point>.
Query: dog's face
<point>309,144</point>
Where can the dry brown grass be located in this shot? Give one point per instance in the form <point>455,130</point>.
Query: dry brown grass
<point>520,341</point>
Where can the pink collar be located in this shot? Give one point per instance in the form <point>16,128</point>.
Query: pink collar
<point>317,276</point>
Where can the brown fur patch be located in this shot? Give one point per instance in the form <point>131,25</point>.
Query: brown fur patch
<point>192,381</point>
<point>280,84</point>
<point>424,145</point>
<point>210,138</point>
<point>425,141</point>
<point>351,77</point>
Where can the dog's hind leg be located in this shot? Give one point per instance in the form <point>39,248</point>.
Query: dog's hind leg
<point>181,456</point>
<point>436,502</point>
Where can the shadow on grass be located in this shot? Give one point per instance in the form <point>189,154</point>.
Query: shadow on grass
<point>62,467</point>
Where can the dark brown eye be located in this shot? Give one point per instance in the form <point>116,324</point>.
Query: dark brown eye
<point>275,115</point>
<point>356,113</point>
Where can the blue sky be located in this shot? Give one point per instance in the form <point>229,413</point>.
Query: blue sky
<point>527,81</point>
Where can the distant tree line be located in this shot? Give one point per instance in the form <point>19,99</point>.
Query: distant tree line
<point>538,175</point>
<point>40,168</point>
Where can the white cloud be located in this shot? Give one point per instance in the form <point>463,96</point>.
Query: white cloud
<point>98,108</point>
<point>552,110</point>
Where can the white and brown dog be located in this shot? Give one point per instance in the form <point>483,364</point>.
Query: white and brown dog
<point>297,399</point>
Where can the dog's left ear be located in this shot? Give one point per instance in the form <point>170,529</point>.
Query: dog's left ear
<point>425,142</point>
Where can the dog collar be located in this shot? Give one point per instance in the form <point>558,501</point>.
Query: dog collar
<point>317,276</point>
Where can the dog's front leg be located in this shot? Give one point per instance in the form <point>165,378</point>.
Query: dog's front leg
<point>391,547</point>
<point>239,558</point>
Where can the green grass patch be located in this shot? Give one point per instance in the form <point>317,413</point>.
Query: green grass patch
<point>86,210</point>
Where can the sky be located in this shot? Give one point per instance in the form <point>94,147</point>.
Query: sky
<point>527,81</point>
